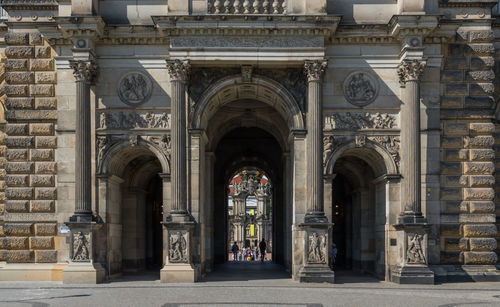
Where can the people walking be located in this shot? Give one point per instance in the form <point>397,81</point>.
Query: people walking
<point>235,249</point>
<point>262,247</point>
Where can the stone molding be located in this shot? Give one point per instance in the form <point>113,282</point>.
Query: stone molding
<point>134,120</point>
<point>411,70</point>
<point>84,71</point>
<point>314,70</point>
<point>360,121</point>
<point>178,70</point>
<point>246,7</point>
<point>30,5</point>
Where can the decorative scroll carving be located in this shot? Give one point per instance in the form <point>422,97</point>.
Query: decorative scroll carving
<point>84,71</point>
<point>356,121</point>
<point>131,120</point>
<point>104,142</point>
<point>293,79</point>
<point>391,144</point>
<point>360,140</point>
<point>330,143</point>
<point>410,70</point>
<point>134,88</point>
<point>317,251</point>
<point>314,69</point>
<point>360,88</point>
<point>178,70</point>
<point>81,247</point>
<point>178,247</point>
<point>415,252</point>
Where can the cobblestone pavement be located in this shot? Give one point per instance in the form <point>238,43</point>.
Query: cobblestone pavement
<point>260,285</point>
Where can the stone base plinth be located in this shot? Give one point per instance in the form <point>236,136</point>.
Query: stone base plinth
<point>466,273</point>
<point>83,273</point>
<point>31,271</point>
<point>412,275</point>
<point>175,273</point>
<point>318,274</point>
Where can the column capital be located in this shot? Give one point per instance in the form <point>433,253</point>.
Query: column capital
<point>84,71</point>
<point>315,69</point>
<point>178,70</point>
<point>411,70</point>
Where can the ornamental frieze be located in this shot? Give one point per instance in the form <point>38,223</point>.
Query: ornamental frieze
<point>134,120</point>
<point>359,121</point>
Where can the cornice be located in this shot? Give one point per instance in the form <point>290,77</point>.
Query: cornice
<point>36,5</point>
<point>467,3</point>
<point>402,26</point>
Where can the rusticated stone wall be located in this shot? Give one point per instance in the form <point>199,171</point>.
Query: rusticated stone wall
<point>30,143</point>
<point>468,212</point>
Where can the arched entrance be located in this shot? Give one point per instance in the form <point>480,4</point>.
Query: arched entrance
<point>241,124</point>
<point>131,189</point>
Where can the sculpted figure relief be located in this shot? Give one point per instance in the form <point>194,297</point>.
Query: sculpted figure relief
<point>131,120</point>
<point>317,248</point>
<point>358,121</point>
<point>360,89</point>
<point>415,253</point>
<point>134,88</point>
<point>178,247</point>
<point>81,247</point>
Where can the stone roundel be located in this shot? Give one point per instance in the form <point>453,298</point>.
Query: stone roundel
<point>360,88</point>
<point>135,88</point>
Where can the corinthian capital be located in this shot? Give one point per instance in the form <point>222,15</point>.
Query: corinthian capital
<point>178,70</point>
<point>315,69</point>
<point>85,71</point>
<point>410,70</point>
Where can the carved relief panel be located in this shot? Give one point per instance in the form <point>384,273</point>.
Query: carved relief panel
<point>415,250</point>
<point>317,252</point>
<point>81,247</point>
<point>178,246</point>
<point>360,88</point>
<point>135,88</point>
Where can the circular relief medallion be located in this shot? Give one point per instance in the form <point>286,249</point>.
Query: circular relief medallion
<point>135,88</point>
<point>360,88</point>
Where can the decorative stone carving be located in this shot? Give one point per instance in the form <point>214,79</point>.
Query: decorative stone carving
<point>415,252</point>
<point>391,144</point>
<point>330,144</point>
<point>360,88</point>
<point>314,69</point>
<point>131,120</point>
<point>293,79</point>
<point>81,247</point>
<point>163,142</point>
<point>134,88</point>
<point>317,248</point>
<point>133,139</point>
<point>178,70</point>
<point>84,71</point>
<point>104,142</point>
<point>249,7</point>
<point>357,121</point>
<point>410,70</point>
<point>246,73</point>
<point>178,247</point>
<point>360,140</point>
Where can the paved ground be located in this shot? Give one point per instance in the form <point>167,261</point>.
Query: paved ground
<point>257,284</point>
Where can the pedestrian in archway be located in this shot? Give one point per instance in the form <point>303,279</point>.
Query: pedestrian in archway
<point>334,253</point>
<point>235,249</point>
<point>262,247</point>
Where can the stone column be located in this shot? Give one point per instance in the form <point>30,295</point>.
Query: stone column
<point>314,71</point>
<point>84,72</point>
<point>179,73</point>
<point>409,74</point>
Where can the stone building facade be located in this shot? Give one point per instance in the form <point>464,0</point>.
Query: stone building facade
<point>123,122</point>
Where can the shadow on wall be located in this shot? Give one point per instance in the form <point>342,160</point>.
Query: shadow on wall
<point>131,11</point>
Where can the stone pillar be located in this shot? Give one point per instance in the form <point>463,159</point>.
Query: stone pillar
<point>182,245</point>
<point>412,227</point>
<point>315,229</point>
<point>82,268</point>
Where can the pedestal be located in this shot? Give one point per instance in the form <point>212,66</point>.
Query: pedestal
<point>413,267</point>
<point>315,244</point>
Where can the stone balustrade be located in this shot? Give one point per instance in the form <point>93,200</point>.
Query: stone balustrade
<point>271,7</point>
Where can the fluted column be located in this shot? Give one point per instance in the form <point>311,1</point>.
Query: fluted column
<point>314,71</point>
<point>179,73</point>
<point>84,72</point>
<point>409,74</point>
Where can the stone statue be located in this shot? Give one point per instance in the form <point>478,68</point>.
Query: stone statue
<point>414,253</point>
<point>178,247</point>
<point>80,247</point>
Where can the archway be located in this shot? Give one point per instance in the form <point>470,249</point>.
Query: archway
<point>131,193</point>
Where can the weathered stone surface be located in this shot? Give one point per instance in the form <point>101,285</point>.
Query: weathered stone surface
<point>17,206</point>
<point>41,65</point>
<point>481,62</point>
<point>479,194</point>
<point>451,142</point>
<point>36,39</point>
<point>452,244</point>
<point>481,89</point>
<point>17,229</point>
<point>449,257</point>
<point>479,49</point>
<point>16,129</point>
<point>483,244</point>
<point>19,52</point>
<point>477,218</point>
<point>452,75</point>
<point>14,38</point>
<point>16,155</point>
<point>19,193</point>
<point>479,168</point>
<point>45,103</point>
<point>16,65</point>
<point>479,230</point>
<point>17,180</point>
<point>456,128</point>
<point>45,168</point>
<point>46,142</point>
<point>46,193</point>
<point>480,257</point>
<point>41,155</point>
<point>16,90</point>
<point>42,180</point>
<point>481,36</point>
<point>19,167</point>
<point>45,256</point>
<point>456,89</point>
<point>19,103</point>
<point>451,168</point>
<point>45,77</point>
<point>42,242</point>
<point>16,256</point>
<point>19,77</point>
<point>451,193</point>
<point>456,63</point>
<point>31,114</point>
<point>14,243</point>
<point>451,102</point>
<point>482,128</point>
<point>480,75</point>
<point>481,181</point>
<point>41,129</point>
<point>482,154</point>
<point>479,142</point>
<point>42,90</point>
<point>45,229</point>
<point>482,207</point>
<point>42,52</point>
<point>456,155</point>
<point>42,206</point>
